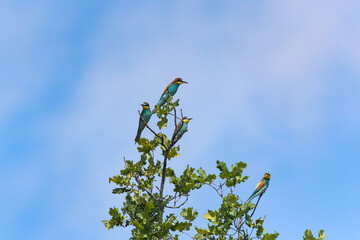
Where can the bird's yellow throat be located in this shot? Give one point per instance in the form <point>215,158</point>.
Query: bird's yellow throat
<point>267,176</point>
<point>145,107</point>
<point>186,120</point>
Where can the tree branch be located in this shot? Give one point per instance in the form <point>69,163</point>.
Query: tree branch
<point>161,207</point>
<point>216,189</point>
<point>256,205</point>
<point>147,191</point>
<point>233,189</point>
<point>176,207</point>
<point>161,137</point>
<point>253,210</point>
<point>174,116</point>
<point>186,234</point>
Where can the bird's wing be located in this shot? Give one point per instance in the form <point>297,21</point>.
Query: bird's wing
<point>260,185</point>
<point>166,89</point>
<point>179,126</point>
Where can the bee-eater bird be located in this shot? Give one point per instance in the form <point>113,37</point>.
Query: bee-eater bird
<point>170,90</point>
<point>261,187</point>
<point>145,114</point>
<point>181,128</point>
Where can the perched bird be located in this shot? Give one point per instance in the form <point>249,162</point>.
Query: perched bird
<point>181,128</point>
<point>170,90</point>
<point>145,114</point>
<point>261,187</point>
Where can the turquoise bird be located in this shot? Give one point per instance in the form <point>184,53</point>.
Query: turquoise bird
<point>170,90</point>
<point>261,187</point>
<point>145,114</point>
<point>181,128</point>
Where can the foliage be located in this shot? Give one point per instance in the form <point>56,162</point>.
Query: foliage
<point>309,236</point>
<point>146,206</point>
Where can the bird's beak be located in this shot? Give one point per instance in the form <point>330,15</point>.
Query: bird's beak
<point>190,118</point>
<point>184,82</point>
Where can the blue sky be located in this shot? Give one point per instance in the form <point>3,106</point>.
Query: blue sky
<point>276,82</point>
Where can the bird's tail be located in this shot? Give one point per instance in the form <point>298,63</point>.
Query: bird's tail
<point>138,135</point>
<point>251,197</point>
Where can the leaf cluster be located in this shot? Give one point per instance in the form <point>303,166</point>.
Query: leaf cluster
<point>233,219</point>
<point>154,212</point>
<point>145,201</point>
<point>309,236</point>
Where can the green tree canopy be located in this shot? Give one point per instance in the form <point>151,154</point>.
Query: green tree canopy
<point>152,213</point>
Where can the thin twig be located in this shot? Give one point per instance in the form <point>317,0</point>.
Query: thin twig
<point>253,210</point>
<point>251,232</point>
<point>161,207</point>
<point>175,199</point>
<point>221,185</point>
<point>256,204</point>
<point>238,227</point>
<point>161,137</point>
<point>138,181</point>
<point>176,131</point>
<point>148,125</point>
<point>187,198</point>
<point>174,115</point>
<point>236,231</point>
<point>186,234</point>
<point>233,189</point>
<point>147,191</point>
<point>216,189</point>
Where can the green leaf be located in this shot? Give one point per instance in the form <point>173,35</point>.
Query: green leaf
<point>120,180</point>
<point>108,224</point>
<point>321,235</point>
<point>176,103</point>
<point>212,216</point>
<point>181,226</point>
<point>120,190</point>
<point>149,205</point>
<point>201,173</point>
<point>260,231</point>
<point>270,236</point>
<point>116,219</point>
<point>174,152</point>
<point>170,173</point>
<point>114,211</point>
<point>162,123</point>
<point>189,214</point>
<point>137,224</point>
<point>223,168</point>
<point>309,236</point>
<point>234,176</point>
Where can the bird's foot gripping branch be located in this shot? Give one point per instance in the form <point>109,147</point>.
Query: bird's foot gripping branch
<point>155,212</point>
